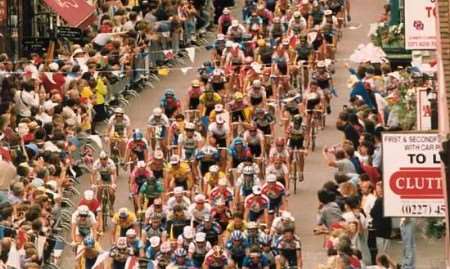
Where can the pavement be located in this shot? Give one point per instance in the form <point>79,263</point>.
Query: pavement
<point>303,205</point>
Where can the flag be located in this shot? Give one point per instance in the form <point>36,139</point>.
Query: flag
<point>168,54</point>
<point>13,257</point>
<point>191,53</point>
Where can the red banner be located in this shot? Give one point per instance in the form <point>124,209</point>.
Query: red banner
<point>75,12</point>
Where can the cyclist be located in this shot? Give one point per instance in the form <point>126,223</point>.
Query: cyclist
<point>211,228</point>
<point>215,259</point>
<point>156,164</point>
<point>264,121</point>
<point>194,93</point>
<point>119,253</point>
<point>224,21</point>
<point>150,190</point>
<point>177,221</point>
<point>205,157</point>
<point>189,141</point>
<point>176,128</point>
<point>152,230</point>
<point>291,106</point>
<point>89,253</point>
<point>153,248</point>
<point>123,220</point>
<point>276,193</point>
<point>104,176</point>
<point>245,183</point>
<point>178,199</point>
<point>280,150</point>
<point>169,103</point>
<point>256,93</point>
<point>280,170</point>
<point>198,209</point>
<point>137,148</point>
<point>198,249</point>
<point>218,80</point>
<point>83,224</point>
<point>289,250</point>
<point>256,205</point>
<point>297,24</point>
<point>118,130</point>
<point>208,100</point>
<point>314,103</point>
<point>324,82</point>
<point>221,192</point>
<point>279,224</point>
<point>255,259</point>
<point>252,234</point>
<point>186,238</point>
<point>238,108</point>
<point>212,178</point>
<point>238,152</point>
<point>138,176</point>
<point>157,126</point>
<point>178,174</point>
<point>237,247</point>
<point>248,161</point>
<point>264,52</point>
<point>255,140</point>
<point>134,244</point>
<point>296,134</point>
<point>219,131</point>
<point>219,111</point>
<point>265,242</point>
<point>221,213</point>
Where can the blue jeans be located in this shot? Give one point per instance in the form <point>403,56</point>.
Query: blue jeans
<point>407,229</point>
<point>189,30</point>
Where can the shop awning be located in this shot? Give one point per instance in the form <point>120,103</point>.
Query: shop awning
<point>77,13</point>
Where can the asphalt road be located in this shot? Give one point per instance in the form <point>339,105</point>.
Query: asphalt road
<point>303,205</point>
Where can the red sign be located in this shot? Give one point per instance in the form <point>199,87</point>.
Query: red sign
<point>420,183</point>
<point>74,12</point>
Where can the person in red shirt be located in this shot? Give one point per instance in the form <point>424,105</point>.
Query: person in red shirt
<point>276,192</point>
<point>90,201</point>
<point>54,80</point>
<point>221,191</point>
<point>256,205</point>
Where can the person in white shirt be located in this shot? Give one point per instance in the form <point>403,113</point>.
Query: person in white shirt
<point>26,99</point>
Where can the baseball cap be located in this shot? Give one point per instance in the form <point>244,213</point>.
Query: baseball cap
<point>175,159</point>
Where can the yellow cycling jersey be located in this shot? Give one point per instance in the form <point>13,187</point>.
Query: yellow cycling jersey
<point>178,172</point>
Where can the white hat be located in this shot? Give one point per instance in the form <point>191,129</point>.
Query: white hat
<point>218,107</point>
<point>321,64</point>
<point>226,11</point>
<point>189,126</point>
<point>220,37</point>
<point>141,164</point>
<point>214,168</point>
<point>188,232</point>
<point>305,2</point>
<point>158,155</point>
<point>286,215</point>
<point>174,159</point>
<point>256,190</point>
<point>88,195</point>
<point>199,198</point>
<point>297,14</point>
<point>220,120</point>
<point>155,241</point>
<point>131,232</point>
<point>252,225</point>
<point>271,178</point>
<point>234,23</point>
<point>49,105</point>
<point>157,111</point>
<point>223,181</point>
<point>256,83</point>
<point>200,237</point>
<point>178,190</point>
<point>79,50</point>
<point>53,67</point>
<point>328,12</point>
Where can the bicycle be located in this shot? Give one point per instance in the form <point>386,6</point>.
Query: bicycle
<point>316,121</point>
<point>192,115</point>
<point>297,166</point>
<point>115,153</point>
<point>105,203</point>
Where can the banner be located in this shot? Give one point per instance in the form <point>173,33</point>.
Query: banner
<point>77,13</point>
<point>420,24</point>
<point>423,110</point>
<point>412,178</point>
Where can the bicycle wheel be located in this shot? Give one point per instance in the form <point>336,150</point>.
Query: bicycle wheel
<point>294,175</point>
<point>105,209</point>
<point>313,138</point>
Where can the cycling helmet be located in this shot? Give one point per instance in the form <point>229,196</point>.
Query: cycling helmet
<point>89,241</point>
<point>259,110</point>
<point>103,155</point>
<point>169,92</point>
<point>214,168</point>
<point>248,170</point>
<point>220,120</point>
<point>217,251</point>
<point>238,141</point>
<point>209,151</point>
<point>256,83</point>
<point>131,233</point>
<point>256,190</point>
<point>189,126</point>
<point>298,118</point>
<point>180,252</point>
<point>252,225</point>
<point>157,111</point>
<point>238,96</point>
<point>321,64</point>
<point>271,178</point>
<point>137,135</point>
<point>265,239</point>
<point>121,242</point>
<point>236,235</point>
<point>280,141</point>
<point>83,210</point>
<point>118,110</point>
<point>195,83</point>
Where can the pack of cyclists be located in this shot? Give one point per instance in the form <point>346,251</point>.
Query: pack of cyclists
<point>210,175</point>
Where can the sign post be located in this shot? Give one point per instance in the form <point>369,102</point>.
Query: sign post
<point>420,25</point>
<point>412,175</point>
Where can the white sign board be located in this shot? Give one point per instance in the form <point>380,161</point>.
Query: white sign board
<point>423,110</point>
<point>412,178</point>
<point>420,24</point>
